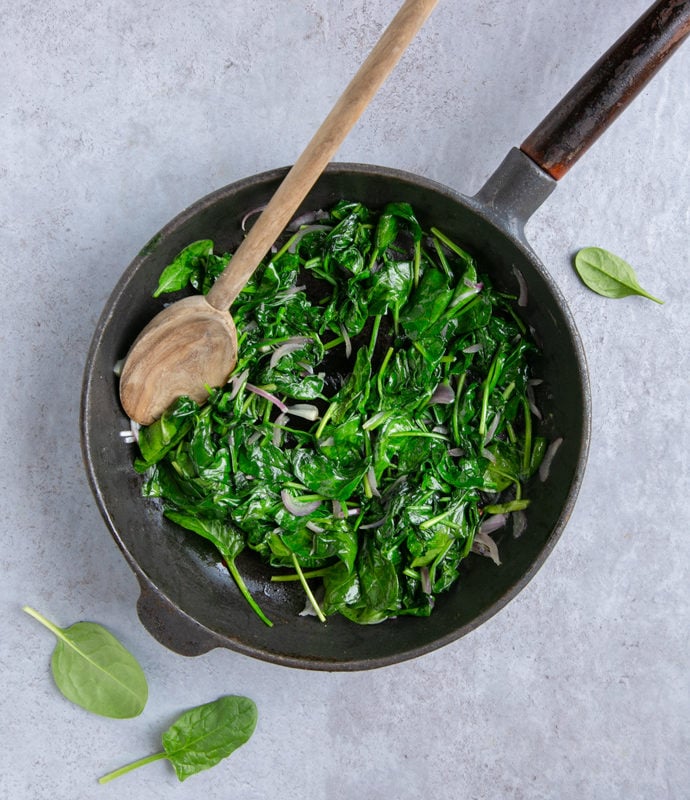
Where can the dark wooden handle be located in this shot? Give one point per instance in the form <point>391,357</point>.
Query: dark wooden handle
<point>607,89</point>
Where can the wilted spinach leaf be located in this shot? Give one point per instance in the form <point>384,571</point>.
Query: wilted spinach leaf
<point>371,419</point>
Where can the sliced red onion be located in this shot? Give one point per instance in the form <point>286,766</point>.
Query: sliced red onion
<point>388,490</point>
<point>297,508</point>
<point>472,348</point>
<point>237,382</point>
<point>522,283</point>
<point>307,369</point>
<point>304,410</point>
<point>489,455</point>
<point>313,527</point>
<point>127,437</point>
<point>493,426</point>
<point>545,466</point>
<point>477,286</point>
<point>425,580</point>
<point>347,340</point>
<point>117,368</point>
<point>493,523</point>
<point>440,429</point>
<point>519,523</point>
<point>484,545</point>
<point>329,442</point>
<point>535,381</point>
<point>290,346</point>
<point>281,419</point>
<point>289,292</point>
<point>532,402</point>
<point>308,218</point>
<point>301,233</point>
<point>373,483</point>
<point>456,452</point>
<point>268,396</point>
<point>339,512</point>
<point>371,525</point>
<point>249,214</point>
<point>443,395</point>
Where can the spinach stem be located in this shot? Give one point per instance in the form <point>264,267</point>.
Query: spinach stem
<point>442,258</point>
<point>382,370</point>
<point>422,434</point>
<point>374,335</point>
<point>327,415</point>
<point>449,243</point>
<point>129,767</point>
<point>334,343</point>
<point>305,586</point>
<point>416,263</point>
<point>232,567</point>
<point>46,622</point>
<point>314,573</point>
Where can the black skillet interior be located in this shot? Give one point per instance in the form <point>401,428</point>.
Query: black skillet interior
<point>185,570</point>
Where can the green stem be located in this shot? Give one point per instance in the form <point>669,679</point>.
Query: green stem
<point>421,434</point>
<point>305,586</point>
<point>314,573</point>
<point>442,258</point>
<point>327,415</point>
<point>245,592</point>
<point>416,263</point>
<point>382,370</point>
<point>129,767</point>
<point>46,622</point>
<point>449,243</point>
<point>374,335</point>
<point>334,343</point>
<point>456,408</point>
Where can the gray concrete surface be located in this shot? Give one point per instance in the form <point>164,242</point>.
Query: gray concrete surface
<point>114,117</point>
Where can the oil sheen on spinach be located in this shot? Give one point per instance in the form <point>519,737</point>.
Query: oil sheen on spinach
<point>379,413</point>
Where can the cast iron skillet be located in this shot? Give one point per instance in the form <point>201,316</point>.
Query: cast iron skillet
<point>188,601</point>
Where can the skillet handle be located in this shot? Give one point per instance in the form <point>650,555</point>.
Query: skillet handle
<point>610,85</point>
<point>170,626</point>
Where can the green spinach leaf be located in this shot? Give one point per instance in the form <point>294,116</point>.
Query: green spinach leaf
<point>92,669</point>
<point>202,737</point>
<point>608,274</point>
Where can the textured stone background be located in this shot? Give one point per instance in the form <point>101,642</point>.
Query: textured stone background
<point>114,117</point>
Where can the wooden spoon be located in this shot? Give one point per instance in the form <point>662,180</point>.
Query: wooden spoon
<point>192,344</point>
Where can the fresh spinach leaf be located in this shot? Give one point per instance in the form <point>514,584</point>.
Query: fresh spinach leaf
<point>608,274</point>
<point>202,737</point>
<point>92,669</point>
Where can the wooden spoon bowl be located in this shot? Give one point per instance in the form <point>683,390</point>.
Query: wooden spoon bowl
<point>194,345</point>
<point>188,346</point>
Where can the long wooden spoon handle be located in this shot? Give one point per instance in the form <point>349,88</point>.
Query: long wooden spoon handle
<point>320,150</point>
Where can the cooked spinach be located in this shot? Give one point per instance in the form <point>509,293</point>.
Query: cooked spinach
<point>92,669</point>
<point>608,274</point>
<point>202,737</point>
<point>381,410</point>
